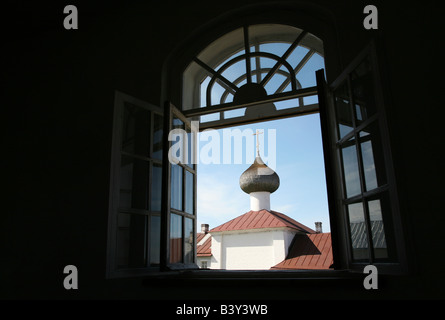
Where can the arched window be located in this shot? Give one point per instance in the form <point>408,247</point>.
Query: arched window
<point>256,71</point>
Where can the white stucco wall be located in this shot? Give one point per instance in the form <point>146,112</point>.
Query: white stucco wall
<point>259,200</point>
<point>254,249</point>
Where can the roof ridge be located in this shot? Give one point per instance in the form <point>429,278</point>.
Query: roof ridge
<point>260,219</point>
<point>226,223</point>
<point>292,221</point>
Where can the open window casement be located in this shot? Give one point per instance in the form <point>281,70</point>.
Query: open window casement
<point>152,206</point>
<point>152,216</point>
<point>364,213</point>
<point>178,244</point>
<point>134,220</point>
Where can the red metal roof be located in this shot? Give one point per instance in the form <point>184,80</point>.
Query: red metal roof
<point>205,249</point>
<point>262,219</point>
<point>308,251</point>
<point>200,236</point>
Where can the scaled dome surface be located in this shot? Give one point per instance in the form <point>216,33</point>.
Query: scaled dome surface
<point>259,177</point>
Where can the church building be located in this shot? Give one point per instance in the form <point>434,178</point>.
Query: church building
<point>262,238</point>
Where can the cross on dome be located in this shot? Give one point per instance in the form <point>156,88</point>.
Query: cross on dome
<point>257,134</point>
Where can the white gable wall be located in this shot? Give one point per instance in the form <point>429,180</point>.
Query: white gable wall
<point>253,249</point>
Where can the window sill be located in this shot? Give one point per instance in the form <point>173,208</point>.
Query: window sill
<point>260,276</point>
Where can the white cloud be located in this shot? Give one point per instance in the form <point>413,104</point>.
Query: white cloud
<point>219,201</point>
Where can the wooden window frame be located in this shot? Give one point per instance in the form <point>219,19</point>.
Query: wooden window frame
<point>112,270</point>
<point>336,187</point>
<point>344,267</point>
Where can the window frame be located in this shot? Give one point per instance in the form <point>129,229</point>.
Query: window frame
<point>114,209</point>
<point>333,163</point>
<point>342,264</point>
<point>171,112</point>
<point>303,37</point>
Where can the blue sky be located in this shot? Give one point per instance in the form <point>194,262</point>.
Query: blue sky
<point>299,164</point>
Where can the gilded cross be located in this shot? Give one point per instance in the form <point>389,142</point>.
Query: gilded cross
<point>257,134</point>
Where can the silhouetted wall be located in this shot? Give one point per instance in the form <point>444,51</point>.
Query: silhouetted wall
<point>57,116</point>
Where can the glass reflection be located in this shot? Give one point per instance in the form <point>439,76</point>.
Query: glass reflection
<point>362,87</point>
<point>156,187</point>
<point>178,144</point>
<point>357,227</point>
<point>157,136</point>
<point>350,169</point>
<point>372,157</point>
<point>136,130</point>
<point>368,165</point>
<point>176,187</point>
<point>155,239</point>
<point>130,249</point>
<point>343,110</point>
<point>189,198</point>
<point>134,174</point>
<point>190,148</point>
<point>377,229</point>
<point>188,241</point>
<point>175,238</point>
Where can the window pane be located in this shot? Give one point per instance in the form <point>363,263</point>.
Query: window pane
<point>363,91</point>
<point>175,238</point>
<point>343,110</point>
<point>156,187</point>
<point>155,239</point>
<point>131,230</point>
<point>210,117</point>
<point>377,229</point>
<point>157,136</point>
<point>217,91</point>
<point>133,183</point>
<point>357,225</point>
<point>203,92</point>
<point>372,157</point>
<point>235,70</point>
<point>274,83</point>
<point>178,145</point>
<point>286,104</point>
<point>234,113</point>
<point>176,187</point>
<point>350,169</point>
<point>267,62</point>
<point>189,243</point>
<point>306,76</point>
<point>189,198</point>
<point>190,149</point>
<point>136,130</point>
<point>177,123</point>
<point>368,165</point>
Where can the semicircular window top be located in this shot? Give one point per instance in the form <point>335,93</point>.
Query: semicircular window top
<point>254,72</point>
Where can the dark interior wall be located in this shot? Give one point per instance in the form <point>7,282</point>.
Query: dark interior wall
<point>59,87</point>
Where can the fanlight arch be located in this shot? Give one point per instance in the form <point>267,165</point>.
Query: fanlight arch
<point>251,72</point>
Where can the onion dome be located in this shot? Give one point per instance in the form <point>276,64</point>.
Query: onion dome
<point>259,177</point>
